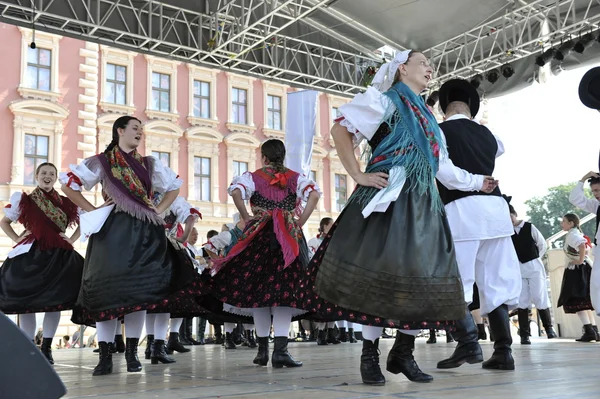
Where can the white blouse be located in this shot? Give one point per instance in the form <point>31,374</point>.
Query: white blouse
<point>163,178</point>
<point>182,210</point>
<point>245,184</point>
<point>218,242</point>
<point>574,239</point>
<point>13,212</point>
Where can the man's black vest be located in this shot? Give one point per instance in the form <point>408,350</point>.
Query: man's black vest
<point>471,147</point>
<point>525,245</point>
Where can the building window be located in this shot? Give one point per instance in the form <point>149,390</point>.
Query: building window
<point>201,99</point>
<point>238,106</point>
<point>340,192</point>
<point>239,168</point>
<point>274,112</point>
<point>163,157</point>
<point>313,175</point>
<point>161,92</point>
<point>115,88</point>
<point>36,153</point>
<point>202,178</point>
<point>39,63</point>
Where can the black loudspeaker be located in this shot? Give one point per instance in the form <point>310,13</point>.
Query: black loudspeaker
<point>24,371</point>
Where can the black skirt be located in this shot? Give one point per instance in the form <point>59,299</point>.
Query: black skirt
<point>575,289</point>
<point>130,265</point>
<point>40,281</point>
<point>395,268</point>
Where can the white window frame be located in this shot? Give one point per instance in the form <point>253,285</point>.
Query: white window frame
<point>111,55</point>
<point>317,164</point>
<point>240,147</point>
<point>40,118</point>
<point>168,67</point>
<point>333,102</point>
<point>246,83</point>
<point>163,136</point>
<point>208,76</point>
<point>278,90</point>
<point>336,167</point>
<point>45,41</point>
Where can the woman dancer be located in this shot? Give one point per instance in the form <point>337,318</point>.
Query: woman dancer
<point>575,290</point>
<point>391,244</point>
<point>43,272</point>
<point>130,266</point>
<point>261,275</point>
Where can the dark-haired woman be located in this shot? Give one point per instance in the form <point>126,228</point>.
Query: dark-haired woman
<point>130,265</point>
<point>388,260</point>
<point>43,271</point>
<point>260,276</point>
<point>575,289</point>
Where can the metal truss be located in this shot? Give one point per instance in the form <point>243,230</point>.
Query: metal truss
<point>515,35</point>
<point>243,36</point>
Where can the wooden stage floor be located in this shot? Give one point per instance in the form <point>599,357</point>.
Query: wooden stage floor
<point>545,370</point>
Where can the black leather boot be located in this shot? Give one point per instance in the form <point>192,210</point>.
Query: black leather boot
<point>432,338</point>
<point>119,343</point>
<point>149,342</point>
<point>589,334</point>
<point>262,357</point>
<point>131,355</point>
<point>369,364</point>
<point>449,337</point>
<point>524,326</point>
<point>46,349</point>
<point>481,334</point>
<point>174,345</point>
<point>159,353</point>
<point>250,339</point>
<point>189,331</point>
<point>468,349</point>
<point>343,335</point>
<point>281,357</point>
<point>546,318</point>
<point>401,360</point>
<point>105,365</point>
<point>500,326</point>
<point>201,330</point>
<point>183,339</point>
<point>322,337</point>
<point>219,340</point>
<point>351,336</point>
<point>332,337</point>
<point>229,344</point>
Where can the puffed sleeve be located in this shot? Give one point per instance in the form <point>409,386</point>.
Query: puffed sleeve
<point>363,115</point>
<point>11,210</point>
<point>244,183</point>
<point>305,186</point>
<point>85,175</point>
<point>575,238</point>
<point>218,242</point>
<point>182,210</point>
<point>163,177</point>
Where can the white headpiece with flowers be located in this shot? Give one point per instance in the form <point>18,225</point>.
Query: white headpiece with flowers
<point>384,77</point>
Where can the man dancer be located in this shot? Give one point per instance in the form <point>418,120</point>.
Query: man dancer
<point>481,227</point>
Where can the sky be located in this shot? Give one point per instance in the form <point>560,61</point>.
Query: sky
<point>549,136</point>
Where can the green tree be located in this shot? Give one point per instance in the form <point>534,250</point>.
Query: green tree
<point>546,212</point>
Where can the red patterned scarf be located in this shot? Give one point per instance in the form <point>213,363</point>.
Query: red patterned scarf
<point>46,215</point>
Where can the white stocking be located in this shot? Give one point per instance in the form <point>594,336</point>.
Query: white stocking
<point>350,325</point>
<point>28,324</point>
<point>262,321</point>
<point>229,327</point>
<point>331,324</point>
<point>134,324</point>
<point>176,324</point>
<point>150,318</point>
<point>106,330</point>
<point>477,316</point>
<point>118,330</point>
<point>410,332</point>
<point>584,317</point>
<point>161,325</point>
<point>371,333</point>
<point>320,326</point>
<point>248,326</point>
<point>282,318</point>
<point>51,320</point>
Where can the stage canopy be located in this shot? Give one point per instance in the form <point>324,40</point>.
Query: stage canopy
<point>329,45</point>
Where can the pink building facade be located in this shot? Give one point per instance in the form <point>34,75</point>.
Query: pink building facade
<point>58,103</point>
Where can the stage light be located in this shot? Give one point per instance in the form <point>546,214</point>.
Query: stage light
<point>546,56</point>
<point>583,43</point>
<point>476,80</point>
<point>507,70</point>
<point>564,50</point>
<point>492,76</point>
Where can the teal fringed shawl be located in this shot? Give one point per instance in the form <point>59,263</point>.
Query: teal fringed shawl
<point>414,143</point>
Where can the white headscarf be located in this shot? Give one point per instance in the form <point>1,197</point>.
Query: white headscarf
<point>384,77</point>
<point>236,219</point>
